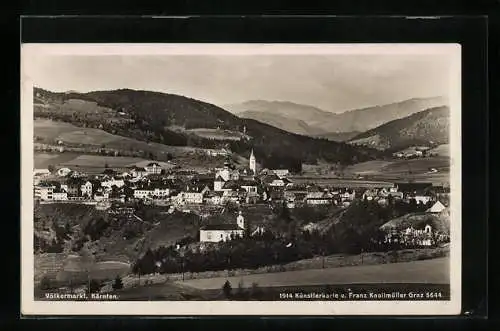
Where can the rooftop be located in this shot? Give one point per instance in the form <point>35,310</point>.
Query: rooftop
<point>223,227</point>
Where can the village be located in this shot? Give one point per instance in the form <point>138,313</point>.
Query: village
<point>189,191</point>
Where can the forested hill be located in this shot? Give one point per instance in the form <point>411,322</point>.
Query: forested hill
<point>170,119</point>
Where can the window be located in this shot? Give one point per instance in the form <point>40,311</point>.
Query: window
<point>209,235</point>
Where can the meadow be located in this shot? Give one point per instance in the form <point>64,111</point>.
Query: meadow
<point>434,271</point>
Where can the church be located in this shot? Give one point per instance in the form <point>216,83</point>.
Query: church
<point>228,173</point>
<point>223,232</point>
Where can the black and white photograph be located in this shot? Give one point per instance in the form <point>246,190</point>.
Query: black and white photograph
<point>241,179</point>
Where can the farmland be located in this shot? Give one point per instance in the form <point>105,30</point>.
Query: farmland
<point>397,170</point>
<point>216,134</point>
<point>435,271</point>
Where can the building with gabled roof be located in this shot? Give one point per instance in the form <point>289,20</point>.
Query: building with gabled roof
<point>223,232</point>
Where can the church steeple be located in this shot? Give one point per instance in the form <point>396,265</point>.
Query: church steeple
<point>252,163</point>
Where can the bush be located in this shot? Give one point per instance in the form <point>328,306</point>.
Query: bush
<point>45,283</point>
<point>227,289</point>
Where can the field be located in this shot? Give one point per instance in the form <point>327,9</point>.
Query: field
<point>419,170</point>
<point>338,182</point>
<point>435,271</point>
<point>442,150</point>
<point>51,131</point>
<point>216,134</point>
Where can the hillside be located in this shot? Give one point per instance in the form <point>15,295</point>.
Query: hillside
<point>321,121</point>
<point>149,116</point>
<point>440,222</point>
<point>430,126</point>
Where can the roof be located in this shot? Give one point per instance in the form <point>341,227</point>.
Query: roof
<point>436,208</point>
<point>223,227</point>
<point>153,164</point>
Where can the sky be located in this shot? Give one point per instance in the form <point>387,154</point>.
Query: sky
<point>333,83</point>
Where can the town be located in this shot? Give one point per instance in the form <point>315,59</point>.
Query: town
<point>199,192</point>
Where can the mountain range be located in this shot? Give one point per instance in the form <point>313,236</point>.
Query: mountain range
<point>312,121</point>
<point>152,116</point>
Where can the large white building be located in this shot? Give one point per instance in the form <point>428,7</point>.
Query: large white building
<point>153,168</point>
<point>223,232</point>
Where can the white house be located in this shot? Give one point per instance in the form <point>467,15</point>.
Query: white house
<point>219,183</point>
<point>277,183</point>
<point>222,232</point>
<point>59,195</point>
<point>113,182</point>
<point>191,197</point>
<point>249,186</point>
<point>319,198</point>
<point>86,189</point>
<point>281,172</point>
<point>424,199</point>
<point>138,172</point>
<point>44,191</point>
<point>153,168</point>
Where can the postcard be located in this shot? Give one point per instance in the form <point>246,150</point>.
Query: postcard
<point>241,179</point>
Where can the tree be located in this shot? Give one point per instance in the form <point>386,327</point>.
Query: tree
<point>227,289</point>
<point>94,286</point>
<point>118,283</point>
<point>51,168</point>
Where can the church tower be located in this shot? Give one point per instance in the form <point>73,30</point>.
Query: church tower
<point>252,164</point>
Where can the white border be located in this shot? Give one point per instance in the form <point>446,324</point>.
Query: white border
<point>167,308</point>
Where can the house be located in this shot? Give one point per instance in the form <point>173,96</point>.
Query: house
<point>248,185</point>
<point>86,189</point>
<point>191,197</point>
<point>420,197</point>
<point>252,197</point>
<point>281,173</point>
<point>73,186</point>
<point>41,172</point>
<point>113,182</point>
<point>230,196</point>
<point>214,197</point>
<point>101,195</point>
<point>59,195</point>
<point>44,191</point>
<point>347,195</point>
<point>319,198</point>
<point>138,172</point>
<point>223,232</point>
<point>408,188</point>
<point>370,195</point>
<point>436,207</point>
<point>153,168</point>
